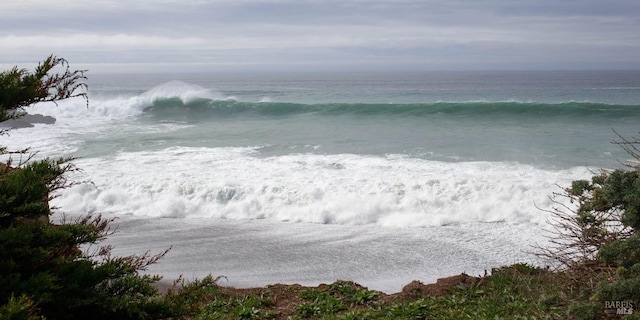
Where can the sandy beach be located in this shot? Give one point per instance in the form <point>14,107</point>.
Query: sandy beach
<point>259,253</point>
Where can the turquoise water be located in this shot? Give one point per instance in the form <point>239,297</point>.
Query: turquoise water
<point>545,119</point>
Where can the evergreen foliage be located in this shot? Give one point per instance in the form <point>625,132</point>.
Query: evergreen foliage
<point>24,192</point>
<point>43,272</point>
<point>20,88</point>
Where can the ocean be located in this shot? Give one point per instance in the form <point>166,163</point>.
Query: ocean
<point>379,178</point>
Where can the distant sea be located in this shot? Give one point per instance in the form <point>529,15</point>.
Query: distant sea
<point>381,178</point>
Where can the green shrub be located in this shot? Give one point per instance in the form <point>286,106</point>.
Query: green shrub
<point>24,193</point>
<point>40,262</point>
<point>248,307</point>
<point>352,293</point>
<point>319,303</point>
<point>419,309</point>
<point>584,310</point>
<point>21,308</point>
<point>602,233</point>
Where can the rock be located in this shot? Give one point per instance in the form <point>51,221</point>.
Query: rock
<point>417,289</point>
<point>27,121</point>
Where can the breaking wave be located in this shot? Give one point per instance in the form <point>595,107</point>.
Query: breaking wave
<point>232,183</point>
<point>177,99</point>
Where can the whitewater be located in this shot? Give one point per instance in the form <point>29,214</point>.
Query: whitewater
<point>310,178</point>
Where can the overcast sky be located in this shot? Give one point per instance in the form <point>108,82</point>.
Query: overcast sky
<point>304,35</point>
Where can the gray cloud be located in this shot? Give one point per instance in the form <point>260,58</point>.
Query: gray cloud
<point>192,35</point>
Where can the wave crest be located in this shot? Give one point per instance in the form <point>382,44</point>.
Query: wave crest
<point>175,98</point>
<point>170,93</point>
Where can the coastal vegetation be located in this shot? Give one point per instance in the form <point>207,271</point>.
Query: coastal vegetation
<point>61,271</point>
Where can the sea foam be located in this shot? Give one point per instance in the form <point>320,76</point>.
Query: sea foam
<point>345,189</point>
<point>123,106</point>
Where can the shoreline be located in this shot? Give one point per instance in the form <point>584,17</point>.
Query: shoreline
<point>414,288</point>
<point>258,253</point>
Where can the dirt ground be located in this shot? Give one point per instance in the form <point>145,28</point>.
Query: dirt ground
<point>286,297</point>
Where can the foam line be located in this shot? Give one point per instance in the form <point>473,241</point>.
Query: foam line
<point>345,189</point>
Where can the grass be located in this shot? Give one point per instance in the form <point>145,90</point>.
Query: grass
<point>519,291</point>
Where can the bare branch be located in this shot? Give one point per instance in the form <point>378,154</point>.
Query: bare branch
<point>21,89</point>
<point>631,147</point>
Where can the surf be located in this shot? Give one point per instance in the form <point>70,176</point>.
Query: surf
<point>343,189</point>
<point>180,99</point>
